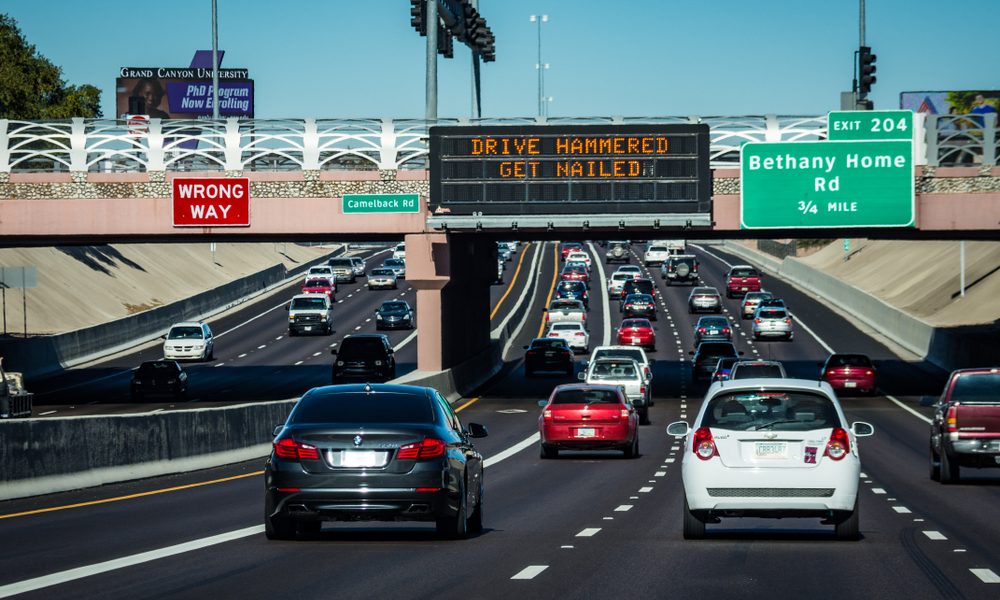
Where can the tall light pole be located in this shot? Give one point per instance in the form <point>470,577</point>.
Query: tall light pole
<point>215,60</point>
<point>539,65</point>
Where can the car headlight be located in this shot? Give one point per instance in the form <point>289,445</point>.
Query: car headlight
<point>291,318</point>
<point>378,363</point>
<point>198,346</point>
<point>379,317</point>
<point>322,318</point>
<point>340,363</point>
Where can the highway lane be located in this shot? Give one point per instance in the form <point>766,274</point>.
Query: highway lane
<point>561,526</point>
<point>255,359</point>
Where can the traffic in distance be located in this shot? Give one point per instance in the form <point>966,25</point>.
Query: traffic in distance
<point>796,415</point>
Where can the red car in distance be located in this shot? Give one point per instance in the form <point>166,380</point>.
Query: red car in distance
<point>320,285</point>
<point>580,416</point>
<point>576,274</point>
<point>568,247</point>
<point>637,332</point>
<point>849,372</point>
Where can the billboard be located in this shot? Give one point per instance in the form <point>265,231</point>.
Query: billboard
<point>951,103</point>
<point>570,169</point>
<point>183,93</point>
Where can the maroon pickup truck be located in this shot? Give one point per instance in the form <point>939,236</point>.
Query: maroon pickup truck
<point>965,431</point>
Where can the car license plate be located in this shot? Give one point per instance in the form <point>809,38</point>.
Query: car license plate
<point>770,449</point>
<point>586,432</point>
<point>636,340</point>
<point>713,332</point>
<point>307,328</point>
<point>744,289</point>
<point>850,384</point>
<point>361,458</point>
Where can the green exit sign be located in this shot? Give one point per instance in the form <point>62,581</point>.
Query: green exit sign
<point>381,203</point>
<point>870,125</point>
<point>791,185</point>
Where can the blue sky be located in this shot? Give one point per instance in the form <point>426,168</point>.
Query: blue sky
<point>361,58</point>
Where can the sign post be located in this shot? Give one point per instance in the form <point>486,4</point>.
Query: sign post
<point>827,184</point>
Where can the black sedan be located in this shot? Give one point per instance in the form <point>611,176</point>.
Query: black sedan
<point>707,356</point>
<point>163,378</point>
<point>548,354</point>
<point>639,305</point>
<point>394,314</point>
<point>376,453</point>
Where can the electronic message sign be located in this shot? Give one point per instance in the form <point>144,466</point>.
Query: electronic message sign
<point>570,169</point>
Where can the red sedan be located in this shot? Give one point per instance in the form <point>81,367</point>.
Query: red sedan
<point>579,416</point>
<point>320,285</point>
<point>576,274</point>
<point>850,373</point>
<point>637,332</point>
<point>571,247</point>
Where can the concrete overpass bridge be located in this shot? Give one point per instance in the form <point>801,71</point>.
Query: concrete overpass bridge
<point>96,181</point>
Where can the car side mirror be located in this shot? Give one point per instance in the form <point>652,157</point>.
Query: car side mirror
<point>581,376</point>
<point>651,361</point>
<point>543,403</point>
<point>278,429</point>
<point>741,353</point>
<point>526,347</point>
<point>288,307</point>
<point>678,429</point>
<point>862,429</point>
<point>928,400</point>
<point>333,350</point>
<point>691,352</point>
<point>475,430</point>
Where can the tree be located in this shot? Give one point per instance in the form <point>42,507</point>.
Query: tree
<point>31,87</point>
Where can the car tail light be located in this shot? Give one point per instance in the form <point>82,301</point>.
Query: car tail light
<point>704,443</point>
<point>531,353</point>
<point>694,269</point>
<point>757,321</point>
<point>553,334</point>
<point>701,330</point>
<point>624,414</point>
<point>725,330</point>
<point>642,389</point>
<point>869,372</point>
<point>579,334</point>
<point>289,448</point>
<point>584,317</point>
<point>288,490</point>
<point>951,420</point>
<point>839,445</point>
<point>547,414</point>
<point>788,320</point>
<point>429,448</point>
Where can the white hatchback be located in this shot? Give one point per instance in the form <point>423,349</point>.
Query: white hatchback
<point>578,257</point>
<point>770,448</point>
<point>574,333</point>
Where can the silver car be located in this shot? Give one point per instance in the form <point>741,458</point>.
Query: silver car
<point>705,299</point>
<point>772,321</point>
<point>398,265</point>
<point>382,278</point>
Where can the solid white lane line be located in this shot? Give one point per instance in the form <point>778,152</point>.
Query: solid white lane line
<point>589,532</point>
<point>908,409</point>
<point>406,341</point>
<point>61,577</point>
<point>624,508</point>
<point>935,535</point>
<point>48,412</point>
<point>492,460</point>
<point>901,510</point>
<point>530,572</point>
<point>986,575</point>
<point>606,332</point>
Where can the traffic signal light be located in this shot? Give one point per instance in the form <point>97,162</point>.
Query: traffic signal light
<point>446,46</point>
<point>418,16</point>
<point>866,70</point>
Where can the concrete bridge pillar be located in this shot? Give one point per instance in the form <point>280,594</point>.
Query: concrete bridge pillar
<point>452,276</point>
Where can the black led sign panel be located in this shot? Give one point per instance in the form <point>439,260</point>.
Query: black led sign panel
<point>570,169</point>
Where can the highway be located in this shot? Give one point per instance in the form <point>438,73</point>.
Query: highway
<point>590,524</point>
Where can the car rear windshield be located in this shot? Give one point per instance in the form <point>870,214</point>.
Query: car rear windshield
<point>622,277</point>
<point>635,354</point>
<point>705,292</point>
<point>571,286</point>
<point>567,327</point>
<point>743,272</point>
<point>850,360</point>
<point>585,397</point>
<point>613,370</point>
<point>771,410</point>
<point>644,287</point>
<point>318,283</point>
<point>772,314</point>
<point>717,349</point>
<point>635,323</point>
<point>358,407</point>
<point>751,371</point>
<point>977,388</point>
<point>657,249</point>
<point>382,272</point>
<point>394,262</point>
<point>308,304</point>
<point>549,344</point>
<point>564,304</point>
<point>361,348</point>
<point>713,322</point>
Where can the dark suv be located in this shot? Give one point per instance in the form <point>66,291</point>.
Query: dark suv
<point>680,268</point>
<point>707,356</point>
<point>618,252</point>
<point>638,286</point>
<point>364,357</point>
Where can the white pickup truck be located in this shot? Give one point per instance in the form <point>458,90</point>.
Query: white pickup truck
<point>565,310</point>
<point>624,372</point>
<point>310,313</point>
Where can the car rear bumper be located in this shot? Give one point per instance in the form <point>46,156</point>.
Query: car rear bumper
<point>605,435</point>
<point>852,383</point>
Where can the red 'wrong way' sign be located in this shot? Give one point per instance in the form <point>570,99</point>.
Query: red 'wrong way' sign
<point>211,202</point>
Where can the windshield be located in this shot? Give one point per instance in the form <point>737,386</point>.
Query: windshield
<point>318,283</point>
<point>340,262</point>
<point>981,388</point>
<point>772,410</point>
<point>623,353</point>
<point>751,371</point>
<point>352,348</point>
<point>744,272</point>
<point>394,306</point>
<point>394,262</point>
<point>309,304</point>
<point>382,272</point>
<point>185,333</point>
<point>585,397</point>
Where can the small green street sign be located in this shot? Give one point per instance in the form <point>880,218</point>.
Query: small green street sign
<point>792,185</point>
<point>381,203</point>
<point>870,125</point>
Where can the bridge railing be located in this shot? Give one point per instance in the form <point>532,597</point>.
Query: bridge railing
<point>107,145</point>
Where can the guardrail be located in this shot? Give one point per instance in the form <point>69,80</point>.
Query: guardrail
<point>108,145</point>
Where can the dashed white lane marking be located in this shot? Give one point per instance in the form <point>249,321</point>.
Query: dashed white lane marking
<point>299,363</point>
<point>878,491</point>
<point>262,346</point>
<point>48,412</point>
<point>609,518</point>
<point>660,474</point>
<point>651,481</point>
<point>864,476</point>
<point>901,510</point>
<point>935,535</point>
<point>567,547</point>
<point>959,550</point>
<point>645,489</point>
<point>316,353</point>
<point>986,575</point>
<point>357,328</point>
<point>918,520</point>
<point>242,355</point>
<point>350,295</point>
<point>890,499</point>
<point>589,532</point>
<point>156,410</point>
<point>624,508</point>
<point>530,572</point>
<point>218,365</point>
<point>633,497</point>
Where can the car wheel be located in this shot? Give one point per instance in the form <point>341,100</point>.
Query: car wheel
<point>935,469</point>
<point>756,335</point>
<point>549,452</point>
<point>291,333</point>
<point>475,524</point>
<point>278,527</point>
<point>950,472</point>
<point>694,528</point>
<point>329,330</point>
<point>848,529</point>
<point>632,450</point>
<point>644,416</point>
<point>455,527</point>
<point>211,354</point>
